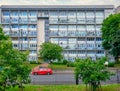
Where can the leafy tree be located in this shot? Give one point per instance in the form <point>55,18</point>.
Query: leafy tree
<point>50,51</point>
<point>111,35</point>
<point>14,70</point>
<point>91,72</point>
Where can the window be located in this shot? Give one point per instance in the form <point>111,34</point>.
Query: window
<point>32,20</point>
<point>6,26</point>
<point>6,20</point>
<point>71,14</point>
<point>15,45</point>
<point>81,14</point>
<point>14,13</point>
<point>23,26</point>
<point>62,27</point>
<point>23,13</point>
<point>33,45</point>
<point>63,20</point>
<point>14,26</point>
<point>99,14</point>
<point>14,20</point>
<point>71,27</point>
<point>33,39</point>
<point>81,27</point>
<point>33,52</point>
<point>90,39</point>
<point>53,13</point>
<point>100,52</point>
<point>54,20</point>
<point>98,27</point>
<point>90,14</point>
<point>62,13</point>
<point>32,26</point>
<point>98,39</point>
<point>90,27</point>
<point>32,13</point>
<point>99,20</point>
<point>6,13</point>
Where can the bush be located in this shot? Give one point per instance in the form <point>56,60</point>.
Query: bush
<point>35,62</point>
<point>70,64</point>
<point>111,64</point>
<point>65,62</point>
<point>57,63</point>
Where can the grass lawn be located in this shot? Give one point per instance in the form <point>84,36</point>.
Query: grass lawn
<point>61,67</point>
<point>117,65</point>
<point>112,87</point>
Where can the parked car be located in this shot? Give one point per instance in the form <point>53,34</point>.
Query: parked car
<point>42,71</point>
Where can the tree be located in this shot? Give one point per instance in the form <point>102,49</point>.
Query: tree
<point>12,63</point>
<point>111,35</point>
<point>91,72</point>
<point>50,51</point>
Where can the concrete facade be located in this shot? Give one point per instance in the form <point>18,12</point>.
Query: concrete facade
<point>117,10</point>
<point>75,28</point>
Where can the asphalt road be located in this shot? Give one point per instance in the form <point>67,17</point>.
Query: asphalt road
<point>63,78</point>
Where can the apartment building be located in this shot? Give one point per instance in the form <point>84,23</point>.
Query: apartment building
<point>76,28</point>
<point>117,10</point>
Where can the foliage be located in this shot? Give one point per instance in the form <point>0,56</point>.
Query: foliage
<point>34,62</point>
<point>65,62</point>
<point>51,51</point>
<point>13,71</point>
<point>70,64</point>
<point>91,72</point>
<point>111,35</point>
<point>111,64</point>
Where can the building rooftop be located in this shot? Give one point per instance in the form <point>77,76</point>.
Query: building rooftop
<point>58,6</point>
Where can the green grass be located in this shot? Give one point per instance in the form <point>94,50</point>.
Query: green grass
<point>117,65</point>
<point>61,67</point>
<point>113,87</point>
<point>33,65</point>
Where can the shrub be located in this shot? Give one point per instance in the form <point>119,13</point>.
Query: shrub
<point>65,62</point>
<point>70,64</point>
<point>111,64</point>
<point>35,62</point>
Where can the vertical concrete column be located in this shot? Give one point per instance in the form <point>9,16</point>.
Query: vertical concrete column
<point>40,33</point>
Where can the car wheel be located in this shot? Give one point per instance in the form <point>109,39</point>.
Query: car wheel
<point>48,73</point>
<point>35,73</point>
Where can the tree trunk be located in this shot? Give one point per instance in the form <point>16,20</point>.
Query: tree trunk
<point>21,86</point>
<point>116,59</point>
<point>77,81</point>
<point>50,64</point>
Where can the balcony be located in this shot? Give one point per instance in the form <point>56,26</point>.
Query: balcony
<point>14,29</point>
<point>14,34</point>
<point>32,48</point>
<point>32,29</point>
<point>6,29</point>
<point>33,42</point>
<point>33,54</point>
<point>15,41</point>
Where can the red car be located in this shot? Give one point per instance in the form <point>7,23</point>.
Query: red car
<point>42,71</point>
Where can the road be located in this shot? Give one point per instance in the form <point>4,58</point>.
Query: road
<point>66,78</point>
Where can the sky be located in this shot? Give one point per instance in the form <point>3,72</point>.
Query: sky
<point>60,2</point>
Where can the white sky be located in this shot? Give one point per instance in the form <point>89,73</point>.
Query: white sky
<point>60,2</point>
